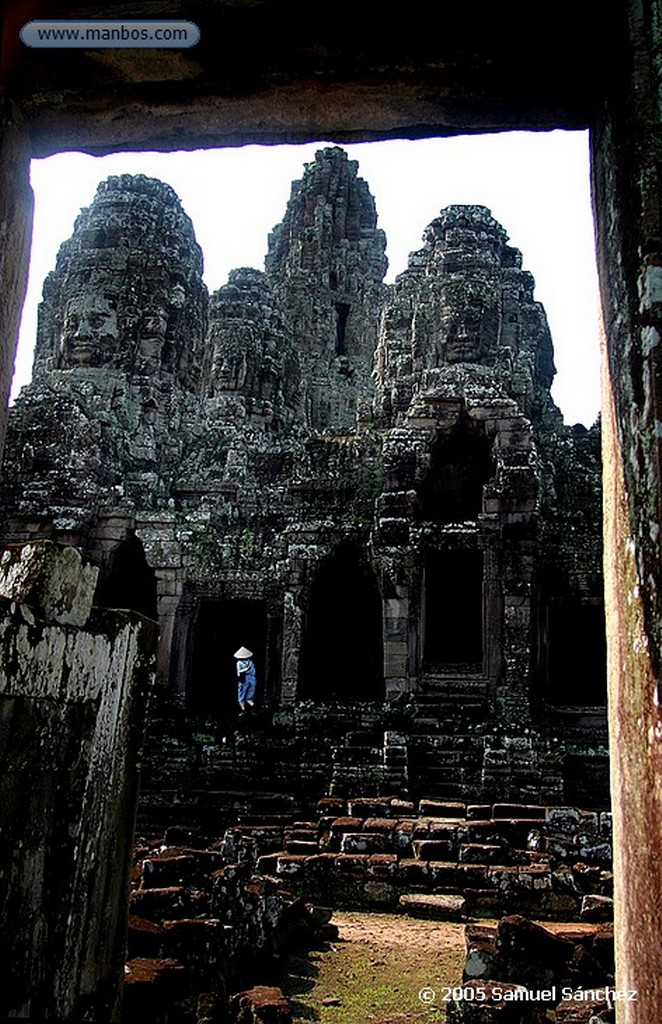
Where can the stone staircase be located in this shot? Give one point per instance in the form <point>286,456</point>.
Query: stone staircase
<point>433,744</point>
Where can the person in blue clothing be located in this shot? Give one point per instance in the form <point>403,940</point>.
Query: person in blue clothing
<point>245,678</point>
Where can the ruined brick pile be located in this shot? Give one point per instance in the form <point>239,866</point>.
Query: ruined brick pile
<point>201,928</point>
<point>518,970</point>
<point>210,917</point>
<point>384,853</point>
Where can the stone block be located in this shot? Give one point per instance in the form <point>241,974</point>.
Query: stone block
<point>402,808</point>
<point>434,849</point>
<point>581,1008</point>
<point>163,871</point>
<point>198,941</point>
<point>481,951</point>
<point>442,809</point>
<point>476,876</point>
<point>331,805</point>
<point>348,824</point>
<point>535,876</point>
<point>320,864</point>
<point>559,906</point>
<point>351,863</point>
<point>363,842</point>
<point>413,872</point>
<point>503,832</point>
<point>170,902</point>
<point>512,811</point>
<point>56,582</point>
<point>480,853</point>
<point>504,878</point>
<point>143,937</point>
<point>151,985</point>
<point>593,848</point>
<point>434,906</point>
<point>478,812</point>
<point>382,865</point>
<point>444,874</point>
<point>291,864</point>
<point>385,826</point>
<point>363,807</point>
<point>380,893</point>
<point>267,864</point>
<point>597,908</point>
<point>562,822</point>
<point>260,1005</point>
<point>530,954</point>
<point>300,846</point>
<point>446,828</point>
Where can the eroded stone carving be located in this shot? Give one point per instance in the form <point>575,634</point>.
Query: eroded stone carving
<point>127,291</point>
<point>464,299</point>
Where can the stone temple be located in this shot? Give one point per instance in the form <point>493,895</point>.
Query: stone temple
<point>368,485</point>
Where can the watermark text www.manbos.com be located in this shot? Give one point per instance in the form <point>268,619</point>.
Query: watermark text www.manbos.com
<point>519,994</point>
<point>85,35</point>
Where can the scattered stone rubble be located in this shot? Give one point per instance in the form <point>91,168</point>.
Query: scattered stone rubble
<point>520,971</point>
<point>385,853</point>
<point>211,917</point>
<point>203,925</point>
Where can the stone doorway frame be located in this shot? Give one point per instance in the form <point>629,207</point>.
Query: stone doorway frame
<point>623,112</point>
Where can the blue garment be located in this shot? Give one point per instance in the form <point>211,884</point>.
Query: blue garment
<point>245,681</point>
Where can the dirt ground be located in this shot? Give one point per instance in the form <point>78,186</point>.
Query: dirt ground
<point>384,969</point>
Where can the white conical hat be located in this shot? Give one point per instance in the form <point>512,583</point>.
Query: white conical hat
<point>243,652</point>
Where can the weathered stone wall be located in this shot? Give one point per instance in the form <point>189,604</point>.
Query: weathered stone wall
<point>16,203</point>
<point>627,187</point>
<point>72,706</point>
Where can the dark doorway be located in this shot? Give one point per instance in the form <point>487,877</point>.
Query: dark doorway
<point>342,652</point>
<point>460,465</point>
<point>454,611</point>
<point>128,582</point>
<point>219,628</point>
<point>577,655</point>
<point>342,313</point>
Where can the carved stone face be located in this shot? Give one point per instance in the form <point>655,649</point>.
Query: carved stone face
<point>127,291</point>
<point>152,339</point>
<point>229,370</point>
<point>469,324</point>
<point>90,334</point>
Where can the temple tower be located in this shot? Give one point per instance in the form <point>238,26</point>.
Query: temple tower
<point>326,261</point>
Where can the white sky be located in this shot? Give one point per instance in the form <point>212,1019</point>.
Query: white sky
<point>536,184</point>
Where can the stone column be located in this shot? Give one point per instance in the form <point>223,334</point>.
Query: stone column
<point>16,207</point>
<point>158,534</point>
<point>396,629</point>
<point>517,490</point>
<point>292,636</point>
<point>627,202</point>
<point>74,685</point>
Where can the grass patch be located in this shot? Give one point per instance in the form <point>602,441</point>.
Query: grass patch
<point>374,973</point>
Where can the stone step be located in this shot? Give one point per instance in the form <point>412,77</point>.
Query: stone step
<point>432,808</point>
<point>434,906</point>
<point>299,846</point>
<point>151,985</point>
